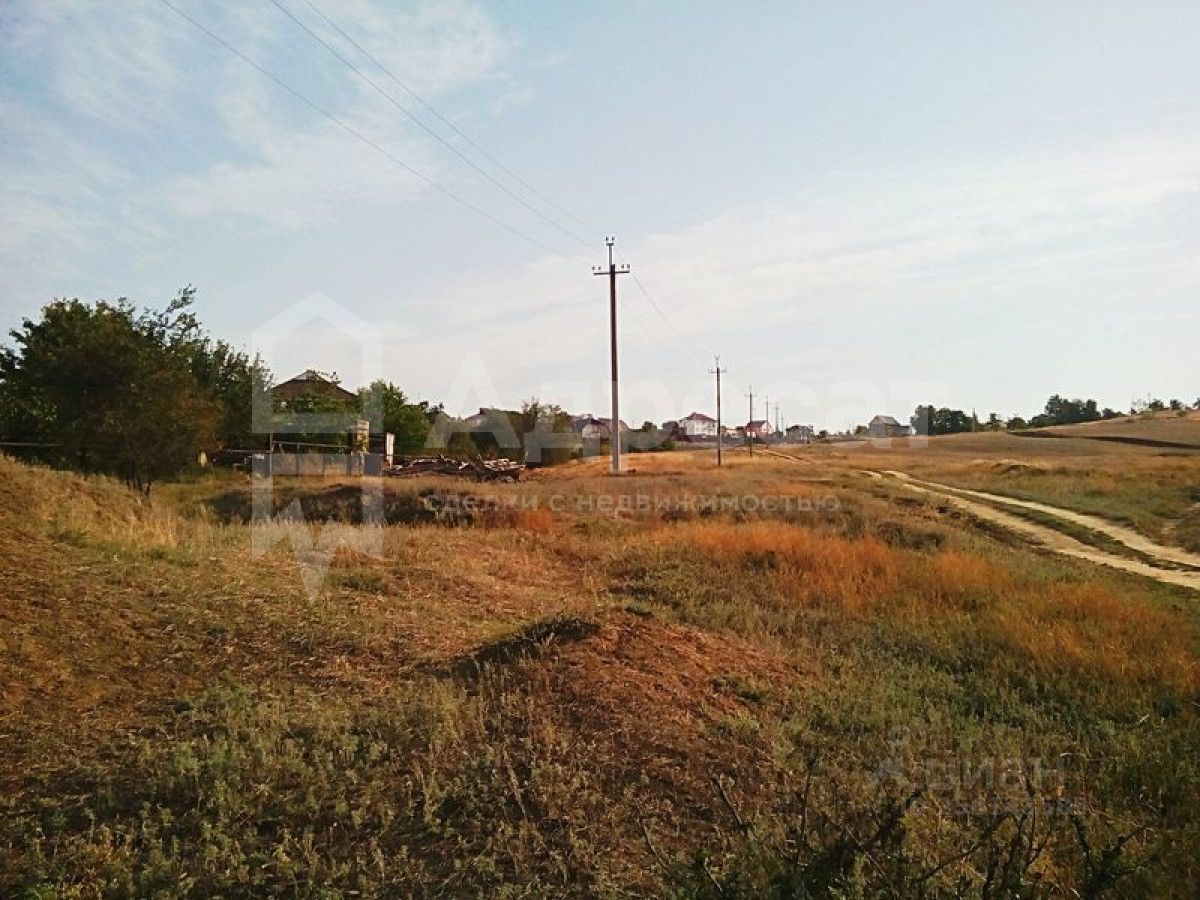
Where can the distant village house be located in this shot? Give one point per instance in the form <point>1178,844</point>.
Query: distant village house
<point>887,427</point>
<point>698,426</point>
<point>593,428</point>
<point>759,429</point>
<point>311,383</point>
<point>799,434</point>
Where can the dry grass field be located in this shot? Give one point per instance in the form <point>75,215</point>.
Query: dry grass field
<point>785,678</point>
<point>1153,489</point>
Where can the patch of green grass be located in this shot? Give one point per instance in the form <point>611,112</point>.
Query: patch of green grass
<point>426,791</point>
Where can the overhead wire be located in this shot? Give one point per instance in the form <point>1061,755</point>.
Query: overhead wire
<point>393,158</point>
<point>691,348</point>
<point>354,132</point>
<point>449,123</point>
<point>420,124</point>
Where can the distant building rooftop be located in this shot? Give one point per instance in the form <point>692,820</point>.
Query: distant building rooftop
<point>309,383</point>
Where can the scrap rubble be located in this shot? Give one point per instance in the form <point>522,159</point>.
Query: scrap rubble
<point>477,469</point>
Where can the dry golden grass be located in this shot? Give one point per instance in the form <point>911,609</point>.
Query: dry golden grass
<point>521,697</point>
<point>795,559</point>
<point>1101,633</point>
<point>1155,490</point>
<point>1090,627</point>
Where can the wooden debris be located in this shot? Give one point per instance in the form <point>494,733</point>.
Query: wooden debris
<point>476,469</point>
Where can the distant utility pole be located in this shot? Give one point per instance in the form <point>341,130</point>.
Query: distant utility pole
<point>717,372</point>
<point>750,424</point>
<point>614,424</point>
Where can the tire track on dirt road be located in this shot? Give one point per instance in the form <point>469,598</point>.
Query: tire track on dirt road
<point>1119,533</point>
<point>1048,537</point>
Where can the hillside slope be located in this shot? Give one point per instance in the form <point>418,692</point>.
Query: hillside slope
<point>1164,429</point>
<point>551,698</point>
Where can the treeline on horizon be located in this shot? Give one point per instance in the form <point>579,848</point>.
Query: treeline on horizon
<point>931,420</point>
<point>105,387</point>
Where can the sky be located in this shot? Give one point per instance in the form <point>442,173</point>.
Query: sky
<point>860,207</point>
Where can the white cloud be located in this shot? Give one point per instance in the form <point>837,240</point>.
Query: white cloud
<point>554,59</point>
<point>861,239</point>
<point>295,170</point>
<point>116,66</point>
<point>846,252</point>
<point>115,82</point>
<point>298,175</point>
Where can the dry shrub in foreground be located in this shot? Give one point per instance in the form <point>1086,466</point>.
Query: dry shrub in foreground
<point>1087,627</point>
<point>1095,630</point>
<point>849,572</point>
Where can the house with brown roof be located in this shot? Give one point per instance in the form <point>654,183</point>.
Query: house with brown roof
<point>311,383</point>
<point>698,425</point>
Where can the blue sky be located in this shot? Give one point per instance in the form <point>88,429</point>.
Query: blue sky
<point>859,206</point>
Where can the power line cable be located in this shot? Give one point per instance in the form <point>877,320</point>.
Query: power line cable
<point>491,158</point>
<point>450,124</point>
<point>354,132</point>
<point>417,121</point>
<point>684,342</point>
<point>358,135</point>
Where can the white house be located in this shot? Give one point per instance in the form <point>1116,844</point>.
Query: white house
<point>593,428</point>
<point>698,425</point>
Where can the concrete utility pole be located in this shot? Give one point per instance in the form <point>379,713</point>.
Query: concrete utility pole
<point>614,424</point>
<point>749,425</point>
<point>717,372</point>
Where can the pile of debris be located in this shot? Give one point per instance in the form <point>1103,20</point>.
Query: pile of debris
<point>477,469</point>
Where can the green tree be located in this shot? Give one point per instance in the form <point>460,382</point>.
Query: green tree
<point>1061,411</point>
<point>112,388</point>
<point>546,433</point>
<point>232,377</point>
<point>409,422</point>
<point>942,420</point>
<point>312,419</point>
<point>236,381</point>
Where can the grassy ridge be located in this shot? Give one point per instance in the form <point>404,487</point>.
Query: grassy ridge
<point>846,697</point>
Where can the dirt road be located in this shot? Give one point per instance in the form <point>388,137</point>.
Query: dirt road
<point>1127,536</point>
<point>1048,537</point>
<point>1056,540</point>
